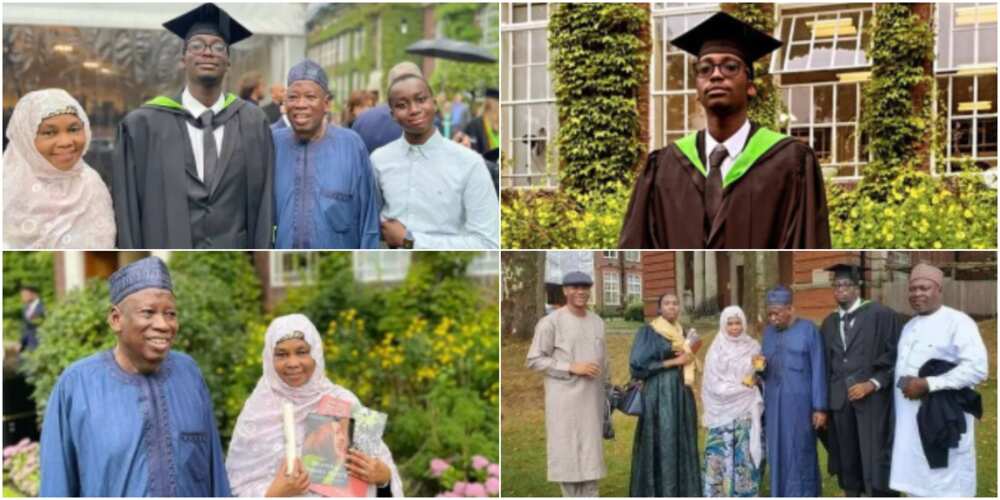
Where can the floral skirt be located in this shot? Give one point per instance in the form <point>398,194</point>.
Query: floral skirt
<point>729,470</point>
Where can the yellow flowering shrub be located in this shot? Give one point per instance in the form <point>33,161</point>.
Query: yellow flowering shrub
<point>563,220</point>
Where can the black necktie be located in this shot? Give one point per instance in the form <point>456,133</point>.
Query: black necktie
<point>208,141</point>
<point>713,188</point>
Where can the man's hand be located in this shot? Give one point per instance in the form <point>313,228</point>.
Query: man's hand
<point>819,420</point>
<point>860,391</point>
<point>915,388</point>
<point>589,370</point>
<point>393,232</point>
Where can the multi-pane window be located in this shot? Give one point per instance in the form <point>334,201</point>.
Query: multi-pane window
<point>966,35</point>
<point>632,256</point>
<point>610,255</point>
<point>485,264</point>
<point>384,266</point>
<point>633,285</point>
<point>528,113</point>
<point>358,45</point>
<point>292,268</point>
<point>675,111</point>
<point>825,116</point>
<point>489,22</point>
<point>822,41</point>
<point>968,104</point>
<point>612,288</point>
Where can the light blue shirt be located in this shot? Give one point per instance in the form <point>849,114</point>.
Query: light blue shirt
<point>441,191</point>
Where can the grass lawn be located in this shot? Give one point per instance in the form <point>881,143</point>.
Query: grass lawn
<point>522,422</point>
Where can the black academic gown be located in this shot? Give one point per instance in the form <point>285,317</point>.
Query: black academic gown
<point>158,198</point>
<point>859,435</point>
<point>778,202</point>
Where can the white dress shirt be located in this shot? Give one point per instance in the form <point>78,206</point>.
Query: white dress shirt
<point>441,191</point>
<point>196,108</point>
<point>734,146</point>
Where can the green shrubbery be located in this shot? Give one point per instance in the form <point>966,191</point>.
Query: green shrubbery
<point>560,219</point>
<point>23,268</point>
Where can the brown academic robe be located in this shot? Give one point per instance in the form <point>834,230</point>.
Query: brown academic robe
<point>780,202</point>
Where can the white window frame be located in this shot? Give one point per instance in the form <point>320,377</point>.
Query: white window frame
<point>489,23</point>
<point>610,254</point>
<point>661,13</point>
<point>381,266</point>
<point>612,295</point>
<point>281,277</point>
<point>633,256</point>
<point>633,284</point>
<point>943,166</point>
<point>545,176</point>
<point>485,264</point>
<point>834,124</point>
<point>781,67</point>
<point>939,23</point>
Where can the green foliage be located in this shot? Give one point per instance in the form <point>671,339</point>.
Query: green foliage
<point>902,44</point>
<point>634,312</point>
<point>20,466</point>
<point>918,211</point>
<point>766,107</point>
<point>563,219</point>
<point>599,61</point>
<point>30,268</point>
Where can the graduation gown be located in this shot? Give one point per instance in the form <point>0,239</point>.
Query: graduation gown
<point>773,197</point>
<point>159,200</point>
<point>861,430</point>
<point>794,388</point>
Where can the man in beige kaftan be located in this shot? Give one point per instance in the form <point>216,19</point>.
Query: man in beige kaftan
<point>569,350</point>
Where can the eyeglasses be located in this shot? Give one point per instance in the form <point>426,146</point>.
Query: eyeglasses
<point>729,68</point>
<point>198,47</point>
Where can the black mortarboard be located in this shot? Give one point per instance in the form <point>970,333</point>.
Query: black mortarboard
<point>847,271</point>
<point>492,93</point>
<point>724,33</point>
<point>208,19</point>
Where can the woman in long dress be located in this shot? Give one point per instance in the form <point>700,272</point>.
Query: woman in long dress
<point>294,372</point>
<point>732,408</point>
<point>665,451</point>
<point>51,197</point>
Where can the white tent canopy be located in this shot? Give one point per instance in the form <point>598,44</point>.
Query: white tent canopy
<point>287,19</point>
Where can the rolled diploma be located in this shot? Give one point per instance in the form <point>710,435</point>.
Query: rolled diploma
<point>289,412</point>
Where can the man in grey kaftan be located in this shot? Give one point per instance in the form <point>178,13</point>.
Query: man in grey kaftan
<point>569,349</point>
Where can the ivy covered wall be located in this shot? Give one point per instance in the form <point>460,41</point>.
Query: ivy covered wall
<point>764,108</point>
<point>464,21</point>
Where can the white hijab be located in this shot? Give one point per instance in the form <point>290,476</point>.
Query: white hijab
<point>44,207</point>
<point>258,443</point>
<point>723,395</point>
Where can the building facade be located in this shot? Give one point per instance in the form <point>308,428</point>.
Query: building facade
<point>821,72</point>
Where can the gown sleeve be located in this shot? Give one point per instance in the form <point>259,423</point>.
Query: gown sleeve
<point>263,236</point>
<point>638,221</point>
<point>889,325</point>
<point>57,456</point>
<point>125,189</point>
<point>647,355</point>
<point>810,224</point>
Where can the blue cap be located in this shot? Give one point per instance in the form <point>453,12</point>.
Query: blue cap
<point>779,296</point>
<point>150,272</point>
<point>309,70</point>
<point>577,278</point>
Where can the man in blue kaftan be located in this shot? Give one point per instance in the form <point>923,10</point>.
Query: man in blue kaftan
<point>136,420</point>
<point>794,397</point>
<point>325,192</point>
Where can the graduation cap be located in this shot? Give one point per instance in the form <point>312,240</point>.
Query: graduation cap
<point>723,33</point>
<point>492,92</point>
<point>846,271</point>
<point>208,19</point>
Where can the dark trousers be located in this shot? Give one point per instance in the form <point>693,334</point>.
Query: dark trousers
<point>852,475</point>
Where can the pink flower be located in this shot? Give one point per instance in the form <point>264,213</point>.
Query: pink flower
<point>494,470</point>
<point>438,467</point>
<point>459,489</point>
<point>479,462</point>
<point>475,490</point>
<point>493,486</point>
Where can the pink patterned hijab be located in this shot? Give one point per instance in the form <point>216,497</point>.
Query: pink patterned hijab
<point>258,443</point>
<point>45,207</point>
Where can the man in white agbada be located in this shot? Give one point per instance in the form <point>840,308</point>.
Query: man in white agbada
<point>937,332</point>
<point>294,372</point>
<point>569,349</point>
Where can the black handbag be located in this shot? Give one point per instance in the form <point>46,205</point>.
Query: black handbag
<point>631,399</point>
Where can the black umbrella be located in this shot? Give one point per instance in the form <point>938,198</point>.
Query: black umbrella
<point>446,48</point>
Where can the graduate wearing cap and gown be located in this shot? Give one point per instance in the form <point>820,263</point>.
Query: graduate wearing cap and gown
<point>937,334</point>
<point>194,170</point>
<point>569,349</point>
<point>324,187</point>
<point>860,339</point>
<point>795,397</point>
<point>736,184</point>
<point>136,420</point>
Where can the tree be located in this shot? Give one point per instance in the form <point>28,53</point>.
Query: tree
<point>523,292</point>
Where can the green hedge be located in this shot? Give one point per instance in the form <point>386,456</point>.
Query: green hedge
<point>598,63</point>
<point>561,219</point>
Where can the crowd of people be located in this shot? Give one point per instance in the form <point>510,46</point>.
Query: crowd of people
<point>169,445</point>
<point>207,169</point>
<point>891,400</point>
